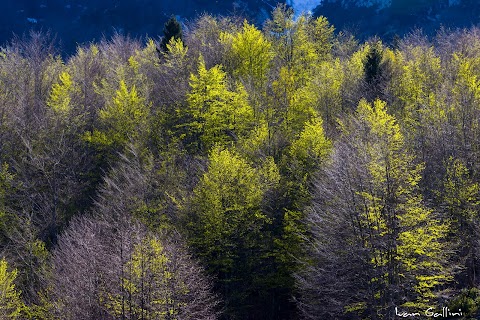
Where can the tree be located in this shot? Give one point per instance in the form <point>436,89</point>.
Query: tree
<point>171,30</point>
<point>35,55</point>
<point>106,268</point>
<point>122,120</point>
<point>111,265</point>
<point>462,198</point>
<point>227,225</point>
<point>311,147</point>
<point>415,85</point>
<point>297,59</point>
<point>298,167</point>
<point>6,179</point>
<point>372,63</point>
<point>86,70</point>
<point>280,29</point>
<point>322,32</point>
<point>368,214</point>
<point>463,110</point>
<point>160,281</point>
<point>11,305</point>
<point>378,70</point>
<point>214,114</point>
<point>45,170</point>
<point>205,38</point>
<point>251,53</point>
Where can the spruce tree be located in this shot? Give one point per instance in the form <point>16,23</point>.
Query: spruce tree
<point>171,29</point>
<point>372,64</point>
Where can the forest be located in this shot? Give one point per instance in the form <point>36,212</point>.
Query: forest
<point>237,172</point>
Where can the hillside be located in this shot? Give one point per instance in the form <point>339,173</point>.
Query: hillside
<point>282,172</point>
<point>82,21</point>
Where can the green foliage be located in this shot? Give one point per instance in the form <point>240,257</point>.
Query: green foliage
<point>461,193</point>
<point>60,99</point>
<point>122,120</point>
<point>468,301</point>
<point>214,114</point>
<point>394,198</point>
<point>251,52</point>
<point>146,283</point>
<point>228,222</point>
<point>293,105</point>
<point>420,73</point>
<point>280,29</point>
<point>6,187</point>
<point>304,53</point>
<point>234,136</point>
<point>177,53</point>
<point>462,111</point>
<point>11,305</point>
<point>254,145</point>
<point>369,200</point>
<point>462,199</point>
<point>312,146</point>
<point>304,157</point>
<point>321,33</point>
<point>327,88</point>
<point>6,179</point>
<point>67,118</point>
<point>228,200</point>
<point>293,44</point>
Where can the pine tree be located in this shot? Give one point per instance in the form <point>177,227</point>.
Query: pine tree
<point>372,63</point>
<point>171,30</point>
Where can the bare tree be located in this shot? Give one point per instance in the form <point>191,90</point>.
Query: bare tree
<point>108,268</point>
<point>121,267</point>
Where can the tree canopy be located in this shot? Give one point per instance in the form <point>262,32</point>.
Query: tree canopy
<point>243,172</point>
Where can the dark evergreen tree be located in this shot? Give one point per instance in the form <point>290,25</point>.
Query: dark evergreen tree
<point>171,29</point>
<point>377,68</point>
<point>372,63</point>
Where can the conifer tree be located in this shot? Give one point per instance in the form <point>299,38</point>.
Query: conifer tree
<point>372,63</point>
<point>171,30</point>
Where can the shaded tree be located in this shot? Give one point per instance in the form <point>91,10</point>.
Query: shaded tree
<point>171,30</point>
<point>462,198</point>
<point>227,227</point>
